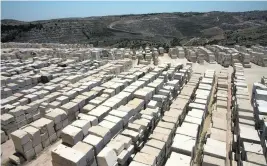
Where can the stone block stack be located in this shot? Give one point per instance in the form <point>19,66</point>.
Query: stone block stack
<point>208,55</point>
<point>173,53</point>
<point>191,55</point>
<point>181,52</point>
<point>248,145</point>
<point>215,147</point>
<point>258,55</point>
<point>161,51</point>
<point>245,59</point>
<point>8,123</point>
<point>183,143</point>
<point>4,137</point>
<point>124,128</point>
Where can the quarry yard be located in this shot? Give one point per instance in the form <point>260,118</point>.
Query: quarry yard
<point>76,105</point>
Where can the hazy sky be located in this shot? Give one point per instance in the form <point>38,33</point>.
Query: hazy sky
<point>42,10</point>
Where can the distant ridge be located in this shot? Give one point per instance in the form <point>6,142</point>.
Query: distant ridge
<point>135,30</point>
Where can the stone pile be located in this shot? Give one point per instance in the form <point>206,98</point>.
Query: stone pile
<point>208,55</point>
<point>181,52</point>
<point>190,55</point>
<point>124,127</point>
<point>248,144</point>
<point>60,108</point>
<point>173,53</point>
<point>257,55</point>
<point>161,51</point>
<point>215,147</point>
<point>183,142</point>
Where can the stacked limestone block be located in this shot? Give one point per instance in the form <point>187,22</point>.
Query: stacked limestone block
<point>4,137</point>
<point>245,59</point>
<point>181,53</point>
<point>8,123</point>
<point>56,119</point>
<point>167,133</point>
<point>190,55</point>
<point>161,51</point>
<point>248,146</point>
<point>208,55</point>
<point>113,123</point>
<point>173,53</point>
<point>217,133</point>
<point>258,55</point>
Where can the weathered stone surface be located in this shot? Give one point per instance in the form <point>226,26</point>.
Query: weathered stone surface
<point>71,135</point>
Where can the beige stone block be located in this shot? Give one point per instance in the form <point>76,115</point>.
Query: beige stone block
<point>127,141</point>
<point>38,149</point>
<point>95,141</point>
<point>82,124</point>
<point>34,135</point>
<point>85,148</point>
<point>71,135</point>
<point>145,159</point>
<point>107,157</point>
<point>116,146</point>
<point>101,132</point>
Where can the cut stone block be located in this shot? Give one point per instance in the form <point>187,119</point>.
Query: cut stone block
<point>100,112</point>
<point>85,148</point>
<point>92,119</point>
<point>209,160</point>
<point>19,138</point>
<point>123,157</point>
<point>116,146</point>
<point>107,157</point>
<point>44,125</point>
<point>153,151</point>
<point>96,142</point>
<point>82,124</point>
<point>178,159</point>
<point>215,148</point>
<point>188,129</point>
<point>127,141</point>
<point>64,155</point>
<point>132,134</point>
<point>87,108</point>
<point>115,119</point>
<point>70,107</point>
<point>34,135</point>
<point>101,132</point>
<point>124,115</point>
<point>183,144</point>
<point>29,155</point>
<point>113,127</point>
<point>218,134</point>
<point>71,135</point>
<point>145,159</point>
<point>38,149</point>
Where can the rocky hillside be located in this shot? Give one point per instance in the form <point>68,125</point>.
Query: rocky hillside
<point>159,29</point>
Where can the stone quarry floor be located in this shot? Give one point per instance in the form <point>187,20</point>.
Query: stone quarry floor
<point>252,75</point>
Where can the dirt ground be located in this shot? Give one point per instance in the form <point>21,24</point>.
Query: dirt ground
<point>252,75</point>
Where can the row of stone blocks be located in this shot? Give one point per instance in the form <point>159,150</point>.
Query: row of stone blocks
<point>95,131</point>
<point>125,118</point>
<point>55,119</point>
<point>183,143</point>
<point>17,83</point>
<point>26,113</point>
<point>248,143</point>
<point>215,146</point>
<point>50,96</point>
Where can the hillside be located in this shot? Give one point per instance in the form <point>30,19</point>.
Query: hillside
<point>159,29</point>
